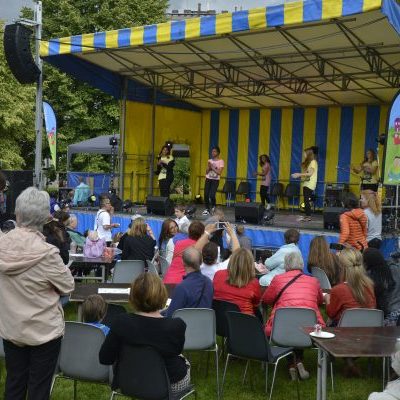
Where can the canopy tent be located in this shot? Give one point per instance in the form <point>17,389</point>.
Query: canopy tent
<point>97,145</point>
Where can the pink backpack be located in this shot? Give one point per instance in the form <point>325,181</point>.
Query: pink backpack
<point>94,249</point>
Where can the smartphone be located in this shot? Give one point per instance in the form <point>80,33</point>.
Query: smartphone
<point>220,225</point>
<point>336,246</point>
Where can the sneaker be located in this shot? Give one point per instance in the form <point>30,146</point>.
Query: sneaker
<point>213,211</point>
<point>268,207</point>
<point>300,219</point>
<point>304,374</point>
<point>307,219</point>
<point>293,373</point>
<point>206,212</point>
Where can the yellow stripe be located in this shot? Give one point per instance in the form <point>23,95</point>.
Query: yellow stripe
<point>223,23</point>
<point>224,138</point>
<point>243,144</point>
<point>286,145</point>
<point>358,142</point>
<point>310,117</point>
<point>87,42</point>
<point>205,143</point>
<point>65,46</point>
<point>137,36</point>
<point>371,5</point>
<point>111,39</point>
<point>293,13</point>
<point>192,28</point>
<point>164,32</point>
<point>257,18</point>
<point>263,139</point>
<point>332,144</point>
<point>331,9</point>
<point>44,49</point>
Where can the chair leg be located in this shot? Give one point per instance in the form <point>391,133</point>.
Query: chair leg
<point>332,382</point>
<point>75,383</point>
<point>266,377</point>
<point>245,371</point>
<point>273,381</point>
<point>217,369</point>
<point>113,394</point>
<point>53,383</point>
<point>223,376</point>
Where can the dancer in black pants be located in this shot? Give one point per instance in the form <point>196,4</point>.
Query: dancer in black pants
<point>215,166</point>
<point>165,170</point>
<point>265,164</point>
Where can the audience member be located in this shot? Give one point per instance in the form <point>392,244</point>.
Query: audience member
<point>139,243</point>
<point>386,278</point>
<point>217,217</point>
<point>320,256</point>
<point>176,270</point>
<point>353,224</point>
<point>94,309</point>
<point>75,236</point>
<point>102,223</point>
<point>238,284</point>
<point>196,290</point>
<point>371,204</point>
<point>293,289</point>
<point>147,327</point>
<point>276,263</point>
<point>81,193</point>
<point>245,241</point>
<point>165,242</point>
<point>181,219</point>
<point>32,278</point>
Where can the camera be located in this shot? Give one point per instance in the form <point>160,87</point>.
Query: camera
<point>336,246</point>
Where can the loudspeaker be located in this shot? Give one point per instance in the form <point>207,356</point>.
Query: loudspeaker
<point>249,212</point>
<point>159,205</point>
<point>331,217</point>
<point>116,202</point>
<point>17,50</point>
<point>18,182</point>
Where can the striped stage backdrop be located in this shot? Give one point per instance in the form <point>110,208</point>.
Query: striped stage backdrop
<point>343,134</point>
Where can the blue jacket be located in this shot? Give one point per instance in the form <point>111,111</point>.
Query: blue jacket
<point>187,294</point>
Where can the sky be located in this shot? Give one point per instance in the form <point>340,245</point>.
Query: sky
<point>9,9</point>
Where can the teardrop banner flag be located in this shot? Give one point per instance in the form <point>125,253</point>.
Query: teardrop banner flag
<point>51,130</point>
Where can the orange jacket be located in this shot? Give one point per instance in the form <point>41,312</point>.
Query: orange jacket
<point>353,228</point>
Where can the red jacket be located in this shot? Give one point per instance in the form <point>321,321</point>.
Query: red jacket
<point>305,292</point>
<point>247,298</point>
<point>176,270</point>
<point>353,228</point>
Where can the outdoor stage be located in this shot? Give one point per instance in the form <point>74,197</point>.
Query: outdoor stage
<point>262,236</point>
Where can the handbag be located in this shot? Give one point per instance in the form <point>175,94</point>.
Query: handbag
<point>94,249</point>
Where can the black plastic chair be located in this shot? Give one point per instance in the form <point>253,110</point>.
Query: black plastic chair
<point>246,339</point>
<point>277,193</point>
<point>140,373</point>
<point>243,189</point>
<point>230,192</point>
<point>220,308</point>
<point>112,311</point>
<point>291,192</point>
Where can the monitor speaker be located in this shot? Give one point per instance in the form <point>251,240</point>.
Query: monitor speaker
<point>159,205</point>
<point>249,212</point>
<point>18,181</point>
<point>17,50</point>
<point>331,217</point>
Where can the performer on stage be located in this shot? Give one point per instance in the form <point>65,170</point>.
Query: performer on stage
<point>368,170</point>
<point>215,166</point>
<point>309,178</point>
<point>165,170</point>
<point>265,164</point>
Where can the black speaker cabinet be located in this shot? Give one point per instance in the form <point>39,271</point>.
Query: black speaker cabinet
<point>18,181</point>
<point>332,217</point>
<point>17,50</point>
<point>249,212</point>
<point>159,205</point>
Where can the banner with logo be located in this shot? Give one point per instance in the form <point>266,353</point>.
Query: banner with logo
<point>51,130</point>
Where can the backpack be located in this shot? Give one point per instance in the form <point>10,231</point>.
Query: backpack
<point>94,249</point>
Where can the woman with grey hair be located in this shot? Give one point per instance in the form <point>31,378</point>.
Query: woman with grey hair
<point>32,278</point>
<point>293,289</point>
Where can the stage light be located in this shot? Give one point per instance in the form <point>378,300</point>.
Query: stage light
<point>92,200</point>
<point>197,198</point>
<point>113,141</point>
<point>169,144</point>
<point>268,217</point>
<point>190,211</point>
<point>127,204</point>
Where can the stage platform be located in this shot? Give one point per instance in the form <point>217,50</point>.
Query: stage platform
<point>261,235</point>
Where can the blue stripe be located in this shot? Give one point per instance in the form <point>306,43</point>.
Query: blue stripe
<point>214,129</point>
<point>352,7</point>
<point>321,139</point>
<point>233,142</point>
<point>207,25</point>
<point>297,140</point>
<point>252,155</point>
<point>346,130</point>
<point>372,128</point>
<point>99,40</point>
<point>150,34</point>
<point>76,44</point>
<point>240,21</point>
<point>54,47</point>
<point>178,30</point>
<point>275,141</point>
<point>124,37</point>
<point>312,10</point>
<point>275,15</point>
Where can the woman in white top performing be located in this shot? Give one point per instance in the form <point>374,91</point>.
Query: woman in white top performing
<point>309,176</point>
<point>215,166</point>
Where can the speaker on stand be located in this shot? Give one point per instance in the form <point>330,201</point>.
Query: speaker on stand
<point>159,205</point>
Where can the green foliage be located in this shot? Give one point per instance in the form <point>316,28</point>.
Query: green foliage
<point>17,119</point>
<point>181,175</point>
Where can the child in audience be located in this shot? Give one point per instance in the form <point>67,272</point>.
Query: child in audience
<point>181,219</point>
<point>94,309</point>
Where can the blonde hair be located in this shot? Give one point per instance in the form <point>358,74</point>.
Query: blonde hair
<point>373,201</point>
<point>241,269</point>
<point>93,236</point>
<point>138,228</point>
<point>354,274</point>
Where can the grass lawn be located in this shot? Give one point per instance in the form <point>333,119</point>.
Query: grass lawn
<point>253,388</point>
